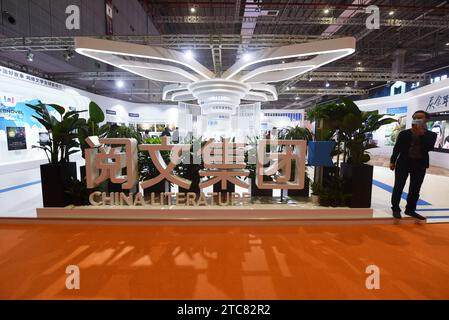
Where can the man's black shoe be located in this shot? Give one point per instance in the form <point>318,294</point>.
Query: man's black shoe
<point>415,215</point>
<point>397,214</point>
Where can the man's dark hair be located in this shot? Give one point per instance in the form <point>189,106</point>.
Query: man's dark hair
<point>426,114</point>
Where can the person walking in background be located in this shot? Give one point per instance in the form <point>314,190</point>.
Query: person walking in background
<point>175,136</point>
<point>411,158</point>
<point>166,132</point>
<point>146,135</point>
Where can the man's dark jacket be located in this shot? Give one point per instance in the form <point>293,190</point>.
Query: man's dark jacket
<point>402,147</point>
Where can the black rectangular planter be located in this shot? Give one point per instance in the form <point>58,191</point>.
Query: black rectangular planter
<point>358,181</point>
<point>55,180</point>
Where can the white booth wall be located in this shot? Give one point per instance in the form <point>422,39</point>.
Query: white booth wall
<point>18,87</point>
<point>423,98</point>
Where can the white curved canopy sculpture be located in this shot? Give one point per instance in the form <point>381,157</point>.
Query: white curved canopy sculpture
<point>247,79</point>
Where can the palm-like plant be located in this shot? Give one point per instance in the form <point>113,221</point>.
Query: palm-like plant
<point>296,133</point>
<point>62,131</point>
<point>354,129</point>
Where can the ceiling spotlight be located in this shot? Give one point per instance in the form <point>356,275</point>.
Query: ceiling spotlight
<point>310,79</point>
<point>247,57</point>
<point>288,89</point>
<point>359,63</point>
<point>391,13</point>
<point>119,84</point>
<point>192,9</point>
<point>30,56</point>
<point>189,54</point>
<point>372,83</point>
<point>328,84</point>
<point>297,98</point>
<point>326,11</point>
<point>447,44</point>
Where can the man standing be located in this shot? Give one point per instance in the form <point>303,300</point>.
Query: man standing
<point>411,157</point>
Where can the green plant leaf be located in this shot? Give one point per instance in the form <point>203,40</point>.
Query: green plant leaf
<point>95,113</point>
<point>59,109</point>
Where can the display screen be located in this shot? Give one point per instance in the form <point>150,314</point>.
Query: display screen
<point>440,125</point>
<point>16,138</point>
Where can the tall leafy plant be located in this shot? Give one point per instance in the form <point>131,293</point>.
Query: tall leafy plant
<point>61,129</point>
<point>354,129</point>
<point>91,126</point>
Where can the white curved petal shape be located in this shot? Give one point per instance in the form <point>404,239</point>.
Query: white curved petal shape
<point>168,90</point>
<point>327,51</point>
<point>216,95</point>
<point>107,52</point>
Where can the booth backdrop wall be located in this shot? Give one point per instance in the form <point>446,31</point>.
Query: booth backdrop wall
<point>430,98</point>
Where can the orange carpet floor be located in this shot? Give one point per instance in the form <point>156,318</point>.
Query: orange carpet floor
<point>215,262</point>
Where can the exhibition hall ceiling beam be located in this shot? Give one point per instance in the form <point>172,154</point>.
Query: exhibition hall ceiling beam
<point>327,92</point>
<point>302,91</point>
<point>422,23</point>
<point>180,41</point>
<point>301,5</point>
<point>315,76</point>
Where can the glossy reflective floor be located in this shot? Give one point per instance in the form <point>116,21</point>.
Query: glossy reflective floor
<point>210,262</point>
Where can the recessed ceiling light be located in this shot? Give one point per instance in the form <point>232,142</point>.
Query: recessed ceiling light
<point>359,63</point>
<point>189,54</point>
<point>119,84</point>
<point>192,9</point>
<point>326,11</point>
<point>391,13</point>
<point>328,84</point>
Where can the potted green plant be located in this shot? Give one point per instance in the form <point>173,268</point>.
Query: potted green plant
<point>190,165</point>
<point>123,131</point>
<point>55,175</point>
<point>353,131</point>
<point>147,169</point>
<point>91,127</point>
<point>250,160</point>
<point>298,133</point>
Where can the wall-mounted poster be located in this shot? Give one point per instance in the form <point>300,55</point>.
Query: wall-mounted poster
<point>16,138</point>
<point>160,127</point>
<point>440,125</point>
<point>393,129</point>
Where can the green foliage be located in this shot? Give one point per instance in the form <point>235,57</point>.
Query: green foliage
<point>125,132</point>
<point>296,133</point>
<point>91,126</point>
<point>355,127</point>
<point>350,126</point>
<point>332,193</point>
<point>147,169</point>
<point>190,164</point>
<point>62,131</point>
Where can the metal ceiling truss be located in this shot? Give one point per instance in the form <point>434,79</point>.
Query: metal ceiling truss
<point>176,42</point>
<point>425,22</point>
<point>315,76</point>
<point>328,92</point>
<point>302,91</point>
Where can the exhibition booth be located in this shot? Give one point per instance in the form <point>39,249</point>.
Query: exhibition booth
<point>432,98</point>
<point>103,158</point>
